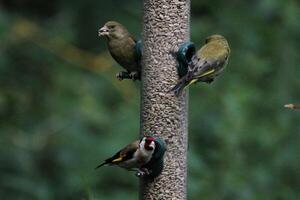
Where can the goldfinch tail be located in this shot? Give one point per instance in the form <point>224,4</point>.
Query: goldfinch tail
<point>101,165</point>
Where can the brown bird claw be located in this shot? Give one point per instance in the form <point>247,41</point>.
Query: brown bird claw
<point>119,76</point>
<point>126,75</point>
<point>134,76</point>
<point>123,75</point>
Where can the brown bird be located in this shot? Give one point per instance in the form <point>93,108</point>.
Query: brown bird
<point>121,45</point>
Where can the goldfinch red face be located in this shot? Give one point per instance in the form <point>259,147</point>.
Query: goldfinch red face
<point>148,143</point>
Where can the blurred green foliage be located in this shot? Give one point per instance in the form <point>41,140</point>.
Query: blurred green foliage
<point>62,111</point>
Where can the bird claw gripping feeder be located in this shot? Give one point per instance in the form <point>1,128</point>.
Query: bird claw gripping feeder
<point>126,75</point>
<point>155,166</point>
<point>184,56</point>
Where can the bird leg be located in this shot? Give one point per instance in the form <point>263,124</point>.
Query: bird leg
<point>128,75</point>
<point>142,172</point>
<point>135,75</point>
<point>123,75</point>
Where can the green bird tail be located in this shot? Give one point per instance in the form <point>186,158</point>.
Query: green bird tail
<point>181,85</point>
<point>178,88</point>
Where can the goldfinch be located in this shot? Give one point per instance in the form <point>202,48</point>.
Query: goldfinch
<point>134,156</point>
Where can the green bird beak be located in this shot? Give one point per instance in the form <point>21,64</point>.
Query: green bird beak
<point>103,31</point>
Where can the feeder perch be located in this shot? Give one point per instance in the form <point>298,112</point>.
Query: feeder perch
<point>184,56</point>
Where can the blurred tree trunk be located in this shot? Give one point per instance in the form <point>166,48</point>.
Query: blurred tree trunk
<point>166,26</point>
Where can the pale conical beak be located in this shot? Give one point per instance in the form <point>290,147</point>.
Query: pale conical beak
<point>103,31</point>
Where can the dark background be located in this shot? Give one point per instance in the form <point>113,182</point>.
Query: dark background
<point>62,111</point>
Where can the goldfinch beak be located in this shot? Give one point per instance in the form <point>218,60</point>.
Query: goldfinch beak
<point>152,145</point>
<point>103,31</point>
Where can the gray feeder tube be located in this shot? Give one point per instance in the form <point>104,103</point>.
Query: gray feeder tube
<point>166,27</point>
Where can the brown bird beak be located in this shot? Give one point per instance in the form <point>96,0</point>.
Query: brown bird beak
<point>103,31</point>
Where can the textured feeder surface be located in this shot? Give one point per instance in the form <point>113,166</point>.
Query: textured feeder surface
<point>166,26</point>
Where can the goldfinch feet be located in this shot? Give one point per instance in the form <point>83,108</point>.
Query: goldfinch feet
<point>142,172</point>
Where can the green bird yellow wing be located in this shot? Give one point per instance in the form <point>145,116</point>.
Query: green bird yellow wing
<point>208,62</point>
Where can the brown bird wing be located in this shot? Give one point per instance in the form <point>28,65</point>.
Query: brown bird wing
<point>123,51</point>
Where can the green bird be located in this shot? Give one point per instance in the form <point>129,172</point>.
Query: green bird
<point>206,64</point>
<point>121,45</point>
